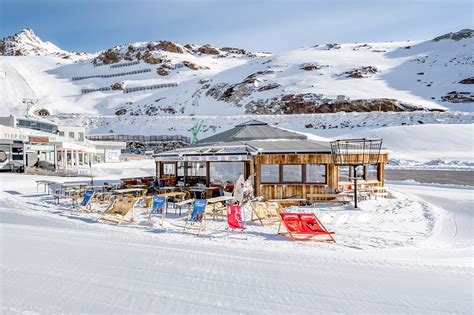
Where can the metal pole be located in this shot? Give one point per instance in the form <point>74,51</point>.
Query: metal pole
<point>355,192</point>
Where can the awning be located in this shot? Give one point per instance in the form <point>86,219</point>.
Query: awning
<point>207,158</point>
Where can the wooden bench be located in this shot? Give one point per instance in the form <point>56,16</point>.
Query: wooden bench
<point>290,201</point>
<point>74,198</point>
<point>327,198</point>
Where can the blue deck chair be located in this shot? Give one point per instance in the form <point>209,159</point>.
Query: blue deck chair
<point>197,219</point>
<point>85,204</point>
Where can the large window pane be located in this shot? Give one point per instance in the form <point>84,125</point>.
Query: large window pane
<point>270,173</point>
<point>316,173</point>
<point>197,169</point>
<point>168,169</point>
<point>344,173</point>
<point>372,172</point>
<point>292,173</point>
<point>225,172</point>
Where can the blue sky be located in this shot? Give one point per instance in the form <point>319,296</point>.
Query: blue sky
<point>264,25</point>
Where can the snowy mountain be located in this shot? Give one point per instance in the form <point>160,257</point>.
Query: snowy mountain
<point>26,43</point>
<point>167,78</point>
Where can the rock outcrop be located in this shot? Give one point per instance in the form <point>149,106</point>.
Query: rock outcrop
<point>462,34</point>
<point>170,47</point>
<point>208,50</point>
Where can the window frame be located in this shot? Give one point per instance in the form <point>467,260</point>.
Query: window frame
<point>306,181</point>
<point>282,181</point>
<point>271,182</point>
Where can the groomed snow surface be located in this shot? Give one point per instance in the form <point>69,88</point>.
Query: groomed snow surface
<point>410,253</point>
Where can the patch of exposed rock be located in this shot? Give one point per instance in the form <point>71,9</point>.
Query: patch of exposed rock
<point>328,46</point>
<point>462,34</point>
<point>208,50</point>
<point>458,97</point>
<point>150,58</point>
<point>119,86</point>
<point>310,103</point>
<point>362,72</point>
<point>110,56</point>
<point>170,47</point>
<point>267,87</point>
<point>190,65</point>
<point>237,92</point>
<point>312,66</point>
<point>164,69</point>
<point>467,81</point>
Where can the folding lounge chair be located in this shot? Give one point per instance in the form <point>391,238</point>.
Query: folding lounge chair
<point>86,204</point>
<point>304,227</point>
<point>266,212</point>
<point>121,209</point>
<point>159,206</point>
<point>197,218</point>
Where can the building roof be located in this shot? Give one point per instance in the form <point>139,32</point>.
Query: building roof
<point>250,138</point>
<point>252,130</point>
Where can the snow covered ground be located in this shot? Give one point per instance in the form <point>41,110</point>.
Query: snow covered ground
<point>410,253</point>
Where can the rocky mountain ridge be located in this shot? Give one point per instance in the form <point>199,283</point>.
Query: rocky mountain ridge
<point>167,78</point>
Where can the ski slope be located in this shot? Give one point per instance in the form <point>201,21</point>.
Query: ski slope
<point>377,266</point>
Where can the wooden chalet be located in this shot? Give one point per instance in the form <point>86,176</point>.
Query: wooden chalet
<point>283,164</point>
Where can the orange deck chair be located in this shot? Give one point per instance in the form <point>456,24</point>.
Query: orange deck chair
<point>304,227</point>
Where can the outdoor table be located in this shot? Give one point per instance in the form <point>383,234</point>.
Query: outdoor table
<point>129,191</point>
<point>167,188</point>
<point>219,199</point>
<point>45,184</point>
<point>137,186</point>
<point>215,200</point>
<point>195,190</point>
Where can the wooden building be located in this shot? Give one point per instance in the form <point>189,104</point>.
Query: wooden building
<point>283,164</point>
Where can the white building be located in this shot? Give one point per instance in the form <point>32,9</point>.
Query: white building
<point>35,143</point>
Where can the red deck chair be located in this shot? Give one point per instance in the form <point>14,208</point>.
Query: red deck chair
<point>304,227</point>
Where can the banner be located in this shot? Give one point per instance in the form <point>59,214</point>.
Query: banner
<point>198,210</point>
<point>235,218</point>
<point>159,204</point>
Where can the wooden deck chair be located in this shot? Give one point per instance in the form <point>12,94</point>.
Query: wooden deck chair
<point>197,218</point>
<point>266,212</point>
<point>159,206</point>
<point>86,204</point>
<point>121,209</point>
<point>304,227</point>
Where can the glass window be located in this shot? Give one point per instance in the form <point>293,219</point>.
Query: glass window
<point>61,133</point>
<point>197,169</point>
<point>81,136</point>
<point>316,173</point>
<point>292,173</point>
<point>168,169</point>
<point>270,173</point>
<point>71,135</point>
<point>344,173</point>
<point>372,172</point>
<point>180,168</point>
<point>225,172</point>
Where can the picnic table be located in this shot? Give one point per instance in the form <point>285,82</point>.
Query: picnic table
<point>46,184</point>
